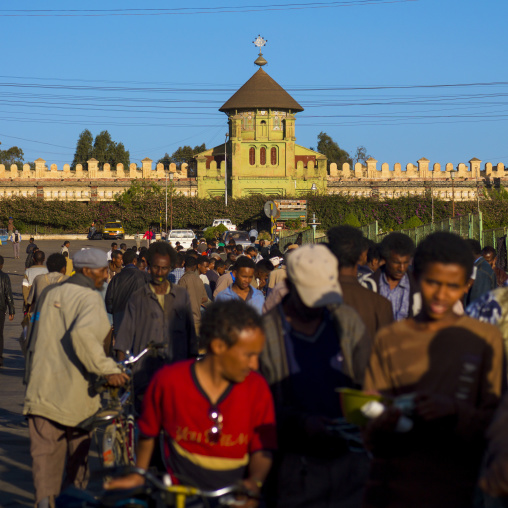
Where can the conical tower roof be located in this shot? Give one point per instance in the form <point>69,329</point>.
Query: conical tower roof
<point>261,91</point>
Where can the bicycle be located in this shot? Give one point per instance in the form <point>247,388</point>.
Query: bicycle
<point>117,417</point>
<point>155,493</point>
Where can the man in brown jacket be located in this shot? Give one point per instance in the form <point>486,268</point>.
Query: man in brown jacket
<point>375,310</point>
<point>314,344</point>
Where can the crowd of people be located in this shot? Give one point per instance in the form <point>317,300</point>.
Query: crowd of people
<point>261,349</point>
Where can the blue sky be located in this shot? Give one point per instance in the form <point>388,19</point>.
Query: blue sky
<point>155,82</point>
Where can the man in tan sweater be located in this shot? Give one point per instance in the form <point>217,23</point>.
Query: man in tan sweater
<point>450,370</point>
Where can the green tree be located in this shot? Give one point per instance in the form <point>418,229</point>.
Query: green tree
<point>181,154</point>
<point>327,146</point>
<point>84,149</point>
<point>13,155</point>
<point>352,220</point>
<point>103,148</point>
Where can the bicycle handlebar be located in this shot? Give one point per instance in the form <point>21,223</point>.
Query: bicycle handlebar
<point>160,485</point>
<point>150,347</point>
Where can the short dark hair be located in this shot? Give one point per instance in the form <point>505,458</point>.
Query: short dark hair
<point>203,259</point>
<point>251,249</point>
<point>116,253</point>
<point>65,254</point>
<point>346,243</point>
<point>226,320</point>
<point>475,246</point>
<point>244,262</point>
<point>488,249</point>
<point>163,249</point>
<point>129,257</point>
<point>39,256</point>
<point>56,262</point>
<point>114,244</point>
<point>2,261</point>
<point>239,247</point>
<point>373,252</point>
<point>190,262</point>
<point>446,248</point>
<point>252,239</point>
<point>123,245</point>
<point>398,243</point>
<point>180,258</point>
<point>67,242</point>
<point>219,263</point>
<point>264,266</point>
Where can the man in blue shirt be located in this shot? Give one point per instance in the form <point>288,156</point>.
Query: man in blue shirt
<point>243,272</point>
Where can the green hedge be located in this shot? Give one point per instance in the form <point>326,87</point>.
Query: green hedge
<point>139,211</point>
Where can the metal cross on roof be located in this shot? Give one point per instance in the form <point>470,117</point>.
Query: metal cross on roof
<point>260,42</point>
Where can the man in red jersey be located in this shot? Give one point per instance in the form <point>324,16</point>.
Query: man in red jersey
<point>217,413</point>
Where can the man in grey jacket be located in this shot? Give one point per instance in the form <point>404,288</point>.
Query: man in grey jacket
<point>65,348</point>
<point>158,312</point>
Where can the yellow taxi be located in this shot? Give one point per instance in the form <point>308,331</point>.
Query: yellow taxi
<point>113,230</point>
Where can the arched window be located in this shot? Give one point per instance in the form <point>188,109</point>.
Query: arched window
<point>264,130</point>
<point>262,156</point>
<point>252,156</point>
<point>273,156</point>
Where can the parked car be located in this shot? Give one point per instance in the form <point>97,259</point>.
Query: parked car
<point>184,236</point>
<point>225,222</point>
<point>240,238</point>
<point>113,230</point>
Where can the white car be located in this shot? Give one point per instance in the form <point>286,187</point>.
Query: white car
<point>225,222</point>
<point>184,236</point>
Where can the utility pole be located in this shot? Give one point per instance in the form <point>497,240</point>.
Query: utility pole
<point>226,169</point>
<point>453,192</point>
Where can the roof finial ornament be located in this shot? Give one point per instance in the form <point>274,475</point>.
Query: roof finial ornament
<point>260,42</point>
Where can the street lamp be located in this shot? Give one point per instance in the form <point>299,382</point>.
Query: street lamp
<point>452,174</point>
<point>171,176</point>
<point>226,170</point>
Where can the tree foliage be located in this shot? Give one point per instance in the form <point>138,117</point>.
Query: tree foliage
<point>103,149</point>
<point>13,155</point>
<point>361,155</point>
<point>181,154</point>
<point>327,146</point>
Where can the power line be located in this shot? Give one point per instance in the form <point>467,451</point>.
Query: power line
<point>191,10</point>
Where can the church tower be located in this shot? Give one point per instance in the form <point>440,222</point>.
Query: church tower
<point>261,154</point>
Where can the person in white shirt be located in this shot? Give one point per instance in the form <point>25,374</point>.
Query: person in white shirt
<point>15,238</point>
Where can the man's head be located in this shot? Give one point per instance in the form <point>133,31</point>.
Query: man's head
<point>203,265</point>
<point>346,243</point>
<point>239,249</point>
<point>232,334</point>
<point>180,260</point>
<point>374,260</point>
<point>490,255</point>
<point>397,249</point>
<point>251,252</point>
<point>161,259</point>
<point>117,258</point>
<point>262,272</point>
<point>243,271</point>
<point>2,261</point>
<point>313,275</point>
<point>56,263</point>
<point>123,246</point>
<point>32,240</point>
<point>114,246</point>
<point>39,257</point>
<point>211,263</point>
<point>191,264</point>
<point>67,243</point>
<point>92,263</point>
<point>220,266</point>
<point>130,257</point>
<point>475,247</point>
<point>443,264</point>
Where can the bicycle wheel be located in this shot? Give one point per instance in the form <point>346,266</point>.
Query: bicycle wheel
<point>120,453</point>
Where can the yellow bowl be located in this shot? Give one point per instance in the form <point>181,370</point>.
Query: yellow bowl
<point>352,401</point>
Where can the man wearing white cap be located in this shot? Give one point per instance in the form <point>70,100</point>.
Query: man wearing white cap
<point>64,348</point>
<point>314,344</point>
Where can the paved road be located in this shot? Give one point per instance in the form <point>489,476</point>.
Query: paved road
<point>15,463</point>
